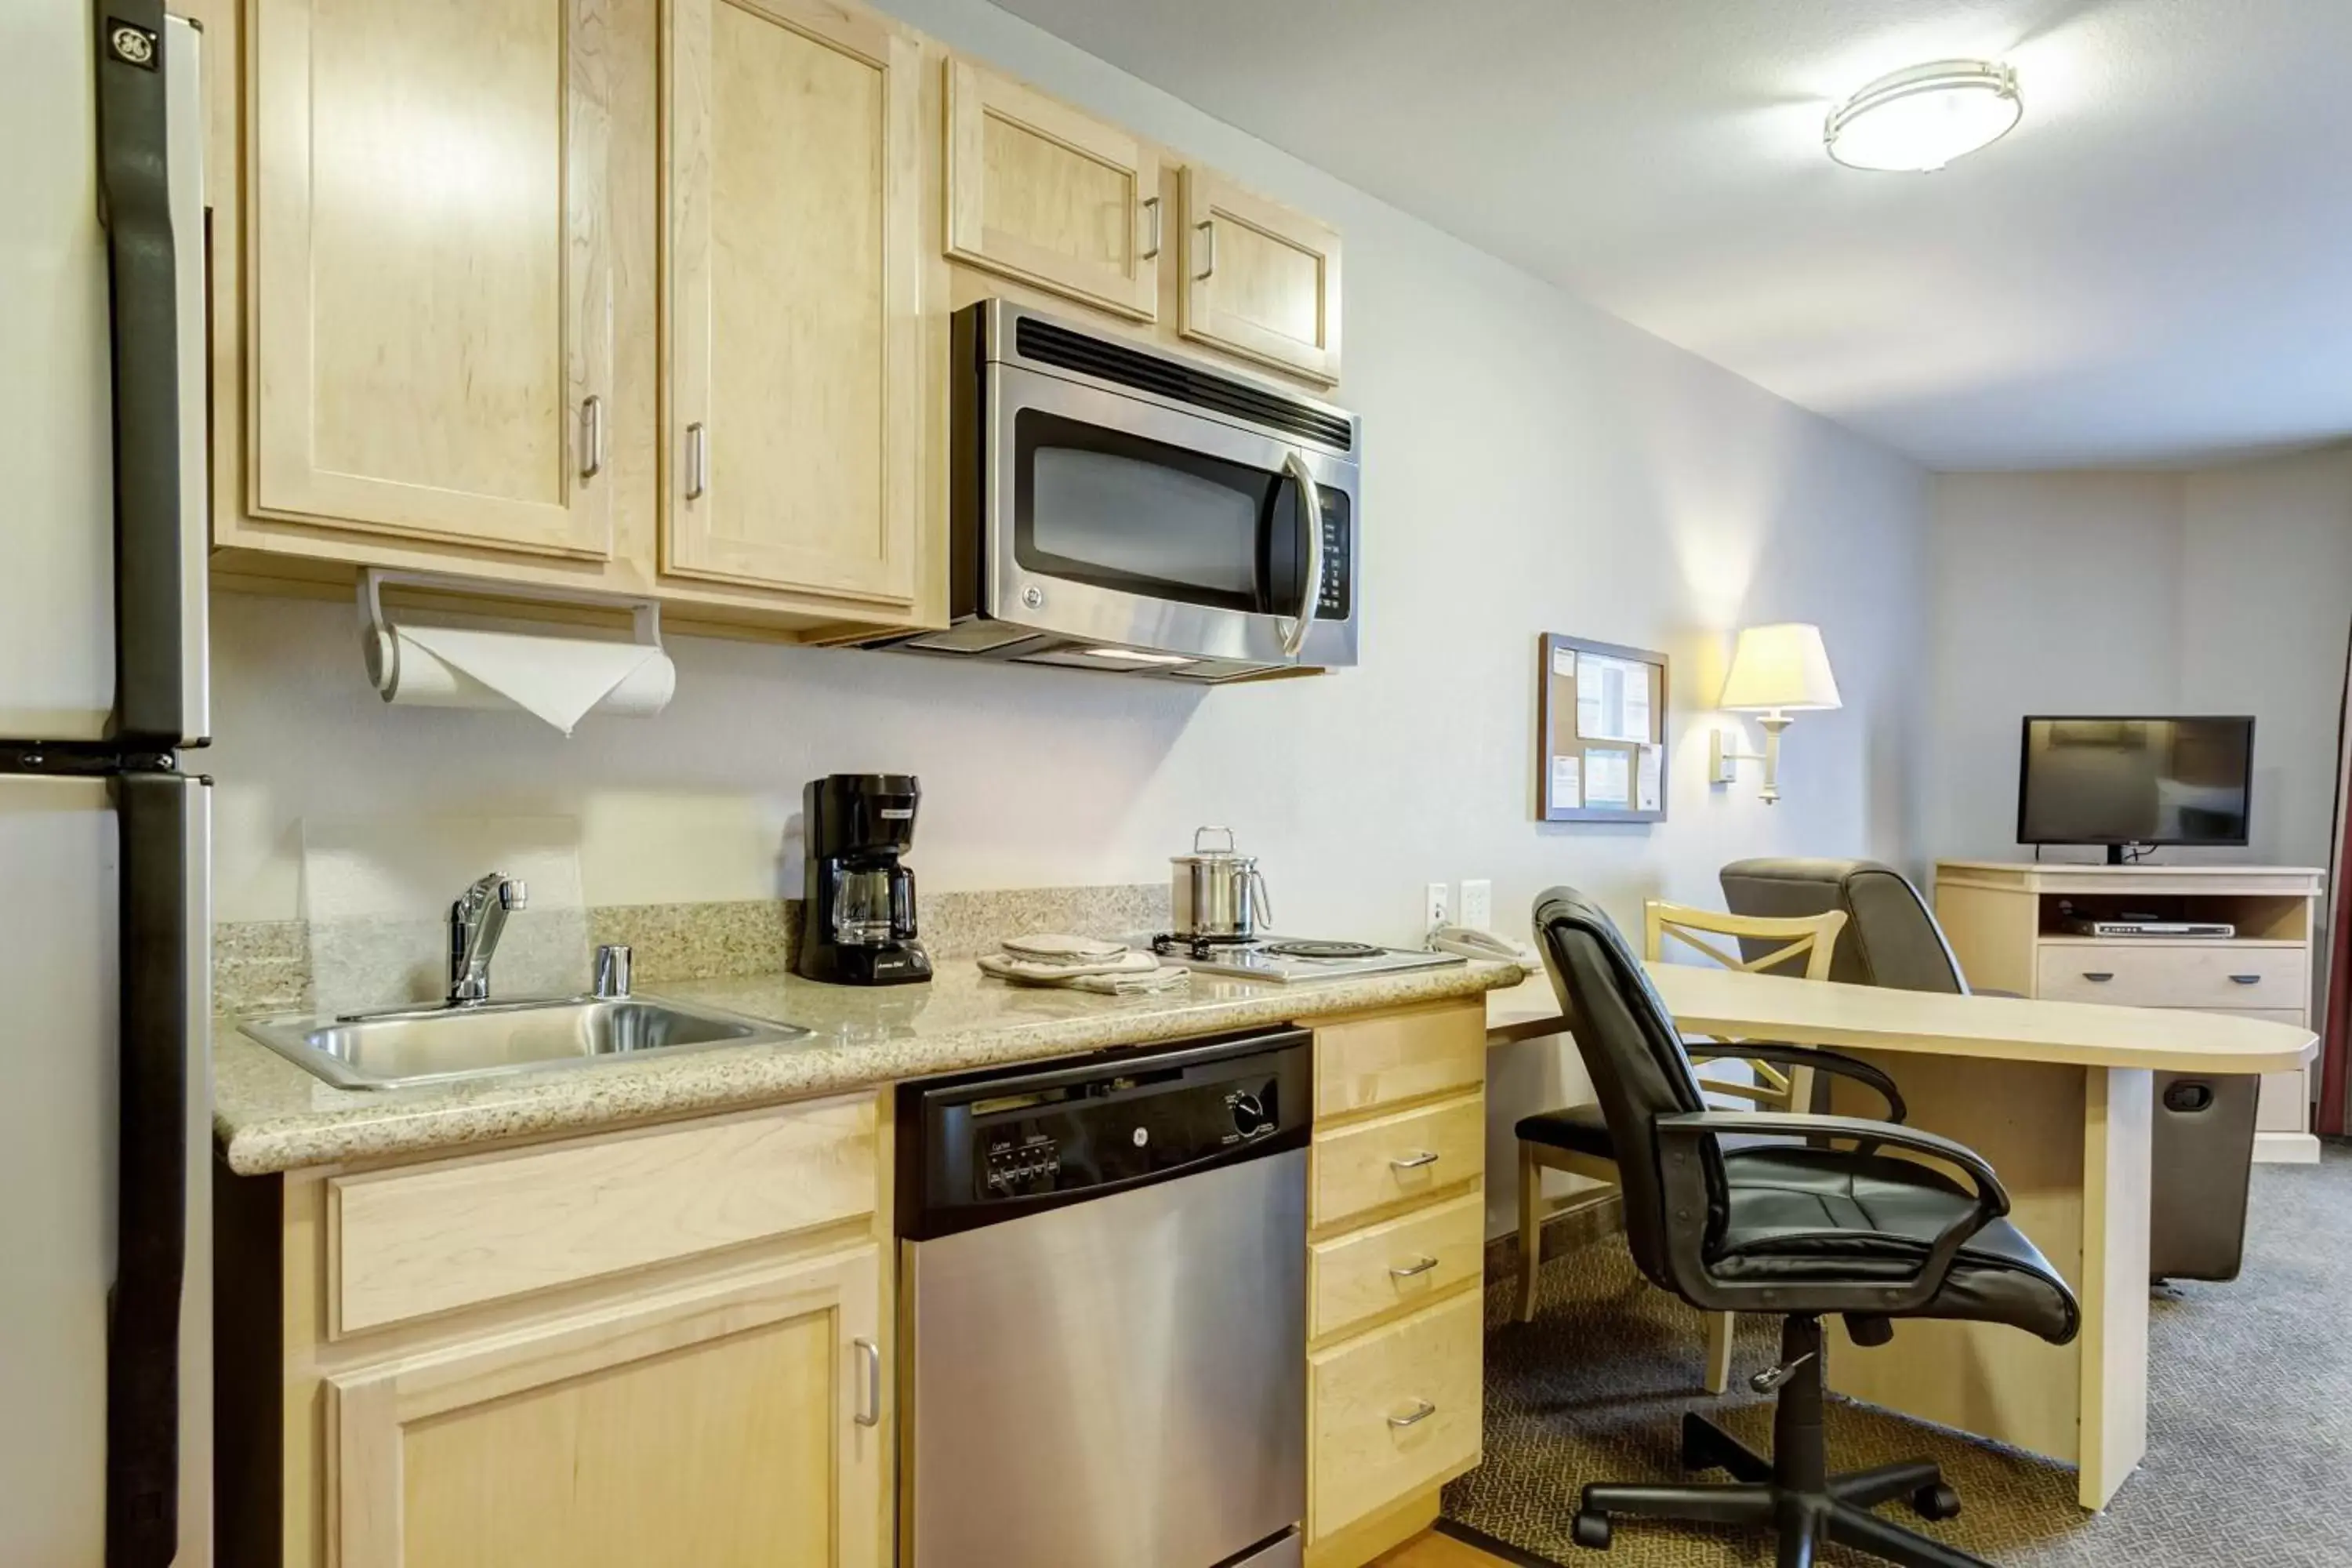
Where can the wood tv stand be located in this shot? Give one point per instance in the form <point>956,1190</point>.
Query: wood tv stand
<point>2006,921</point>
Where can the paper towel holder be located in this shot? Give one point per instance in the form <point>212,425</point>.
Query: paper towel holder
<point>384,650</point>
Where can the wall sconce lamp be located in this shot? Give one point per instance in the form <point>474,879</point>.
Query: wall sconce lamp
<point>1774,670</point>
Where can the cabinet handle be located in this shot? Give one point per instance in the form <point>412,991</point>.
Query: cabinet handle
<point>1421,1265</point>
<point>2247,979</point>
<point>1152,206</point>
<point>592,437</point>
<point>698,460</point>
<point>1208,228</point>
<point>1422,1411</point>
<point>871,1413</point>
<point>1415,1162</point>
<point>2098,976</point>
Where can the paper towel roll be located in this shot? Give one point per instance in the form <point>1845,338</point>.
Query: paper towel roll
<point>559,679</point>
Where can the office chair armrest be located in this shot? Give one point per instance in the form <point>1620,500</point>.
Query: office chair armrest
<point>1820,1060</point>
<point>1991,1197</point>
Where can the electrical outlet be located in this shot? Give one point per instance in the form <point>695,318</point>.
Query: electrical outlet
<point>1478,904</point>
<point>1441,906</point>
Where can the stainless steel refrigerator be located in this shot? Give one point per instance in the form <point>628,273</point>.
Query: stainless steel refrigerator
<point>105,918</point>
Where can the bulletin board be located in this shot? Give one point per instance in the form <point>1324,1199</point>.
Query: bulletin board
<point>1601,731</point>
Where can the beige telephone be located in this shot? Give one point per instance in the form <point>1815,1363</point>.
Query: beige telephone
<point>1471,943</point>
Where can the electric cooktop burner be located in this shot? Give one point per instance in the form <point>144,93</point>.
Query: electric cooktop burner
<point>1288,948</point>
<point>1287,959</point>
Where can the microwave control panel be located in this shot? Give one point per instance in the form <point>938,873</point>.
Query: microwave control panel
<point>1331,602</point>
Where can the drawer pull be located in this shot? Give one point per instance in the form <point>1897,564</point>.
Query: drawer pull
<point>1421,1265</point>
<point>1415,1162</point>
<point>2098,976</point>
<point>1422,1411</point>
<point>2246,979</point>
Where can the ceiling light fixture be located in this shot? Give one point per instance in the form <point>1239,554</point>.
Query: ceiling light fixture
<point>1921,118</point>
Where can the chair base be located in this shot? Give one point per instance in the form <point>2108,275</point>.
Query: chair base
<point>1789,1494</point>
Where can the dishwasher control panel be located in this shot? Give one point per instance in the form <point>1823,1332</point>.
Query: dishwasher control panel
<point>1020,1164</point>
<point>1072,1140</point>
<point>989,1147</point>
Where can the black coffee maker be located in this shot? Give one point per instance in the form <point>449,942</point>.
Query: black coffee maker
<point>858,923</point>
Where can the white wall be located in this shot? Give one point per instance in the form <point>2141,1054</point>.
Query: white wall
<point>1532,465</point>
<point>2223,590</point>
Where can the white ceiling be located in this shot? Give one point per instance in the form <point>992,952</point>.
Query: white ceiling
<point>2155,267</point>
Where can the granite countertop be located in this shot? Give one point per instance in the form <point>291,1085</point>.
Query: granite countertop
<point>271,1115</point>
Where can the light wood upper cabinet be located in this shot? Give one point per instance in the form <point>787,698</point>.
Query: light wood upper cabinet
<point>1039,192</point>
<point>1260,279</point>
<point>431,260</point>
<point>793,420</point>
<point>721,1425</point>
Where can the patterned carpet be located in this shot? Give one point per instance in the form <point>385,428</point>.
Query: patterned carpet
<point>2250,1419</point>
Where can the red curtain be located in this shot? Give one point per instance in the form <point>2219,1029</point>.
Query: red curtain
<point>2336,1039</point>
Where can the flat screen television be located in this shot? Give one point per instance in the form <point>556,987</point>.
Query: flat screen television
<point>2126,781</point>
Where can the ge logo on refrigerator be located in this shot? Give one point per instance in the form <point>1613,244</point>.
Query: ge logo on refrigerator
<point>133,45</point>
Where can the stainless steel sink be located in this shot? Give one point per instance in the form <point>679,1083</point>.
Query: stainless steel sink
<point>483,1039</point>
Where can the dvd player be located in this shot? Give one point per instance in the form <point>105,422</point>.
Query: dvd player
<point>2220,929</point>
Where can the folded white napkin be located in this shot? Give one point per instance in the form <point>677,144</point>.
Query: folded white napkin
<point>1127,983</point>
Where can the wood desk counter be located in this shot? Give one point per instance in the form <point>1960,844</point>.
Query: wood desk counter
<point>2059,1095</point>
<point>1709,1001</point>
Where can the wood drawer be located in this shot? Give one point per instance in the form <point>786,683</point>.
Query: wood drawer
<point>1408,1261</point>
<point>1395,1159</point>
<point>405,1243</point>
<point>1359,1460</point>
<point>1400,1056</point>
<point>2232,975</point>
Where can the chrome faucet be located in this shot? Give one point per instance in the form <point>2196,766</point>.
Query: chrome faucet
<point>476,921</point>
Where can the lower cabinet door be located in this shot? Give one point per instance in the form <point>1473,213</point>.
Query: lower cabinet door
<point>728,1425</point>
<point>1393,1412</point>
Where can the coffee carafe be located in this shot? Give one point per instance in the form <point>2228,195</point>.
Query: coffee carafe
<point>858,922</point>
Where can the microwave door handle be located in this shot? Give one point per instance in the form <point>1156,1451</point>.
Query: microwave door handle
<point>1311,511</point>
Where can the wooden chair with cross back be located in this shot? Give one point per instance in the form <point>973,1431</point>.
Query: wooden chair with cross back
<point>1576,1140</point>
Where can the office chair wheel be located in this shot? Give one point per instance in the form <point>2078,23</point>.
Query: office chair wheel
<point>1937,1502</point>
<point>1591,1531</point>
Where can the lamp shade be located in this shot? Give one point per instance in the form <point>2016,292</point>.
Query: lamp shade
<point>1780,666</point>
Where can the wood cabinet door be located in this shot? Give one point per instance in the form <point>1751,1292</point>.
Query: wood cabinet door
<point>723,1425</point>
<point>431,281</point>
<point>1260,279</point>
<point>1042,192</point>
<point>793,420</point>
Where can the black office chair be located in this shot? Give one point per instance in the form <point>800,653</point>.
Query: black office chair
<point>1798,1230</point>
<point>1890,937</point>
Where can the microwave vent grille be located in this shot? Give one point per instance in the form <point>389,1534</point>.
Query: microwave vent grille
<point>1050,345</point>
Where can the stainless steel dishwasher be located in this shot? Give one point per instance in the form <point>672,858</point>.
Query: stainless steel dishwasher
<point>1103,1268</point>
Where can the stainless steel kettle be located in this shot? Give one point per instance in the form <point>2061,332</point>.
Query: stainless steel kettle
<point>1217,893</point>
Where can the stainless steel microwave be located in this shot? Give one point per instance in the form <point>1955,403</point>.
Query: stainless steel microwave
<point>1119,507</point>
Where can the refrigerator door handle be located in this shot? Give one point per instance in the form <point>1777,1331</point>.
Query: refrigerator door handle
<point>161,820</point>
<point>151,183</point>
